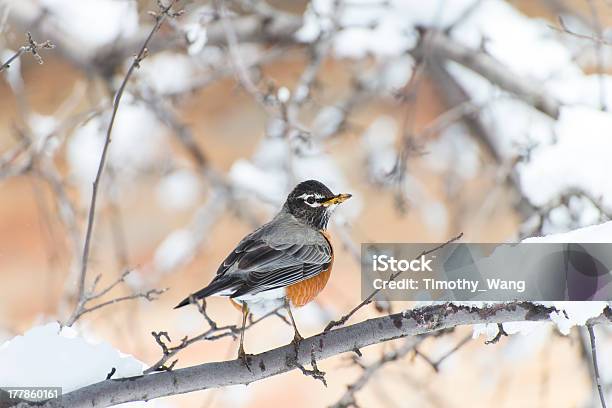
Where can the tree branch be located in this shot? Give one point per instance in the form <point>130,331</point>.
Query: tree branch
<point>442,46</point>
<point>159,19</point>
<point>324,345</point>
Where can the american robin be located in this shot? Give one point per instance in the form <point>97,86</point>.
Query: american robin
<point>286,261</point>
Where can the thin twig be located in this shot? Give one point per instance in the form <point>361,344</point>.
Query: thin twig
<point>32,47</point>
<point>214,332</point>
<point>368,299</point>
<point>348,399</point>
<point>91,294</point>
<point>565,29</point>
<point>159,17</point>
<point>150,295</point>
<point>595,365</point>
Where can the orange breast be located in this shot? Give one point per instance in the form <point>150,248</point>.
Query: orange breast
<point>305,291</point>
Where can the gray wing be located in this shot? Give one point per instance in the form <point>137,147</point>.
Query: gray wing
<point>262,261</point>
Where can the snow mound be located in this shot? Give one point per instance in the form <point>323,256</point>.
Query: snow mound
<point>51,356</point>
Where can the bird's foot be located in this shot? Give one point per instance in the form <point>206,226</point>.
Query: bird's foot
<point>297,338</point>
<point>246,358</point>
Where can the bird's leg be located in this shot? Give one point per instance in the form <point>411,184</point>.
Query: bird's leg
<point>241,354</point>
<point>297,337</point>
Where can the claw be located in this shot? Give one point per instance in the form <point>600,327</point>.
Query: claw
<point>244,357</point>
<point>297,338</point>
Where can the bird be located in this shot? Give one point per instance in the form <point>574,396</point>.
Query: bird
<point>285,262</point>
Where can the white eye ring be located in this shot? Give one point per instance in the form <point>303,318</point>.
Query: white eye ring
<point>311,199</point>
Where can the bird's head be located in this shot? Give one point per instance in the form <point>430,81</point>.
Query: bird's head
<point>312,203</point>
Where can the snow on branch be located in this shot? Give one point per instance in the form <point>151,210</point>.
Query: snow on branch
<point>446,48</point>
<point>389,46</point>
<point>324,345</point>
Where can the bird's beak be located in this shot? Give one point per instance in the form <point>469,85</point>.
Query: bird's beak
<point>337,199</point>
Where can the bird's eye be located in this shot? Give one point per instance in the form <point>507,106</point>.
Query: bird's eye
<point>310,200</point>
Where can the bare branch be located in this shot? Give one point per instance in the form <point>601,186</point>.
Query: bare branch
<point>232,43</point>
<point>565,29</point>
<point>325,345</point>
<point>442,46</point>
<point>214,332</point>
<point>348,399</point>
<point>82,308</point>
<point>159,19</point>
<point>151,294</point>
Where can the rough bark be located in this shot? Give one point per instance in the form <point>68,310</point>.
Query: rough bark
<point>282,359</point>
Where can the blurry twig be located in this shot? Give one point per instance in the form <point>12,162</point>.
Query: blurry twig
<point>559,7</point>
<point>234,49</point>
<point>565,29</point>
<point>348,398</point>
<point>442,46</point>
<point>542,212</point>
<point>599,55</point>
<point>436,364</point>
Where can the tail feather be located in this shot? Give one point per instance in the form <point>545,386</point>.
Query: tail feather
<point>216,286</point>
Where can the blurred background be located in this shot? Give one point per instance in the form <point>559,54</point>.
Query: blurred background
<point>483,117</point>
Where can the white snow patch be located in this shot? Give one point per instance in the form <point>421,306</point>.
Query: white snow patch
<point>177,248</point>
<point>137,144</point>
<point>601,233</point>
<point>327,121</point>
<point>454,151</point>
<point>178,190</point>
<point>378,143</point>
<point>94,23</point>
<point>383,29</point>
<point>283,94</point>
<point>579,159</point>
<point>196,36</point>
<point>435,216</point>
<point>169,72</point>
<point>569,314</point>
<point>572,314</point>
<point>49,356</point>
<point>267,184</point>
